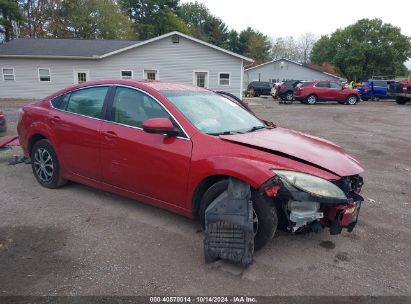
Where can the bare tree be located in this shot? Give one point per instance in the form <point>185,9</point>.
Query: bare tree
<point>305,45</point>
<point>289,48</point>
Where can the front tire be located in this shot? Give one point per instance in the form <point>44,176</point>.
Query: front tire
<point>45,165</point>
<point>265,213</point>
<point>352,100</point>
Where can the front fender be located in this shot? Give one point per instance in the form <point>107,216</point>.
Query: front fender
<point>252,172</point>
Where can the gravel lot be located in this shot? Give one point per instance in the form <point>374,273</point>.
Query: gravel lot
<point>81,241</point>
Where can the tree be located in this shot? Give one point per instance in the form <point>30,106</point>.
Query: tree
<point>92,19</point>
<point>365,49</point>
<point>10,18</point>
<point>254,44</point>
<point>203,25</point>
<point>233,41</point>
<point>285,47</point>
<point>148,16</point>
<point>297,50</point>
<point>75,19</point>
<point>305,45</point>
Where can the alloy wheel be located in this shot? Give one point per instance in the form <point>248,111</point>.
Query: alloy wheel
<point>43,165</point>
<point>352,100</point>
<point>312,99</point>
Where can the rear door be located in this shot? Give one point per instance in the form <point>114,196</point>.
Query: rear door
<point>380,88</point>
<point>153,165</point>
<point>76,123</point>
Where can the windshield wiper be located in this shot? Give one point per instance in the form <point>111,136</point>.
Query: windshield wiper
<point>223,133</point>
<point>255,128</point>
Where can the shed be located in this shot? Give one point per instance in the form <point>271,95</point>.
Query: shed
<point>284,69</point>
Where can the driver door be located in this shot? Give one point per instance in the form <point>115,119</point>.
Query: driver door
<point>153,165</point>
<point>336,92</point>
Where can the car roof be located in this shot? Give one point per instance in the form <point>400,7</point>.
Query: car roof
<point>153,84</point>
<point>159,86</point>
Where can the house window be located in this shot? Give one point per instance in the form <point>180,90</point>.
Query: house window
<point>224,79</point>
<point>201,79</point>
<point>81,76</point>
<point>126,74</point>
<point>8,74</point>
<point>44,75</point>
<point>150,74</point>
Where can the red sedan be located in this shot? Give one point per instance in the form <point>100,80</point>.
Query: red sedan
<point>175,146</point>
<point>311,92</point>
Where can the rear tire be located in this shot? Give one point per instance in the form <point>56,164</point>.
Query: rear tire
<point>266,213</point>
<point>45,165</point>
<point>312,99</point>
<point>289,96</point>
<point>401,100</point>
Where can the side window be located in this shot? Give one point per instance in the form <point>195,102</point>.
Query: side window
<point>322,84</point>
<point>61,101</point>
<point>334,85</point>
<point>132,108</point>
<point>88,102</point>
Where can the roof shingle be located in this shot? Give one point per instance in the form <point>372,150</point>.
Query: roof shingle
<point>62,47</point>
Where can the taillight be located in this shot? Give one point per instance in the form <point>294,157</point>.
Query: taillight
<point>366,89</point>
<point>404,89</point>
<point>282,88</point>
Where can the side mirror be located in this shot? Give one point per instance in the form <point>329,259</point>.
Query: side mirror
<point>160,126</point>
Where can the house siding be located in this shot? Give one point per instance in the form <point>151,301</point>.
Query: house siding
<point>174,62</point>
<point>287,70</point>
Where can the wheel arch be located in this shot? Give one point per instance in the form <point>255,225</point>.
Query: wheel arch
<point>33,139</point>
<point>201,188</point>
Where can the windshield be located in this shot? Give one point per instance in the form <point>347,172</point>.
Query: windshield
<point>212,113</point>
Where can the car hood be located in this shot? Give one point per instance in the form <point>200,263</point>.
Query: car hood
<point>302,147</point>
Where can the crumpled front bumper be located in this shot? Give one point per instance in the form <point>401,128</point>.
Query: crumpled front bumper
<point>335,214</point>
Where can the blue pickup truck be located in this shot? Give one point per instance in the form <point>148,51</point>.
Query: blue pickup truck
<point>375,89</point>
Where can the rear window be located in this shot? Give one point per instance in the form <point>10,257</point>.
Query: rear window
<point>380,83</point>
<point>322,84</point>
<point>87,102</point>
<point>304,84</point>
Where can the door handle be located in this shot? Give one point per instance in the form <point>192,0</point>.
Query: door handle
<point>110,135</point>
<point>55,119</point>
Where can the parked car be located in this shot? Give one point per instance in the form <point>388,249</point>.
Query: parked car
<point>257,88</point>
<point>175,146</point>
<point>401,91</point>
<point>286,90</point>
<point>274,90</point>
<point>243,104</point>
<point>322,90</point>
<point>3,124</point>
<point>374,89</point>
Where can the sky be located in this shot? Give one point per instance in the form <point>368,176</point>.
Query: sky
<point>294,18</point>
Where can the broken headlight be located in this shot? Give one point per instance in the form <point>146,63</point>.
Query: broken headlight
<point>311,184</point>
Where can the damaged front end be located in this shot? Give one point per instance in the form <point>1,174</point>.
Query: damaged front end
<point>310,203</point>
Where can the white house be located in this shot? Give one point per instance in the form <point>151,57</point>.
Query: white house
<point>35,68</point>
<point>284,69</point>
